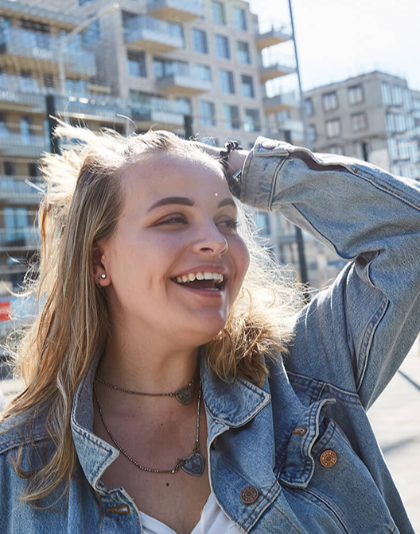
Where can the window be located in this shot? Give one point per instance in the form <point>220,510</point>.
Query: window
<point>336,149</point>
<point>203,72</point>
<point>15,222</point>
<point>9,168</point>
<point>397,95</point>
<point>167,67</point>
<point>231,116</point>
<point>49,80</point>
<point>355,94</point>
<point>222,47</point>
<point>263,222</point>
<point>227,84</point>
<point>282,116</point>
<point>208,113</point>
<point>136,64</point>
<point>312,133</point>
<point>333,128</point>
<point>252,120</point>
<point>239,19</point>
<point>219,14</point>
<point>330,101</point>
<point>4,130</point>
<point>33,170</point>
<point>26,129</point>
<point>247,86</point>
<point>243,53</point>
<point>358,122</point>
<point>200,41</point>
<point>309,107</point>
<point>386,94</point>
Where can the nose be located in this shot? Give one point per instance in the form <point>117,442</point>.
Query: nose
<point>210,240</point>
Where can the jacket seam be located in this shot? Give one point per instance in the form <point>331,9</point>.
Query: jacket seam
<point>368,339</point>
<point>338,393</point>
<point>287,519</point>
<point>274,182</point>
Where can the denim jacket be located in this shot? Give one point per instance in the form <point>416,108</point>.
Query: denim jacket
<point>303,440</point>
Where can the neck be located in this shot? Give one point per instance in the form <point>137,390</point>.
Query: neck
<point>147,365</point>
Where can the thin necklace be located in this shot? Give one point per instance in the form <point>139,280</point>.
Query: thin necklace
<point>183,395</point>
<point>193,464</point>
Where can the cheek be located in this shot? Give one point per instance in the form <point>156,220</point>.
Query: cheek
<point>241,257</point>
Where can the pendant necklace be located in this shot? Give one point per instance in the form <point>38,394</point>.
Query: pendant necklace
<point>193,464</point>
<point>182,395</point>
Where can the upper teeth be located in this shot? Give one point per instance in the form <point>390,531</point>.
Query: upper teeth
<point>190,277</point>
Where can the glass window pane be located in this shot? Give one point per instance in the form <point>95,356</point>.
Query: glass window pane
<point>243,53</point>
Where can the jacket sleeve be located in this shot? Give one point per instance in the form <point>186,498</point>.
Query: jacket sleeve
<point>355,334</point>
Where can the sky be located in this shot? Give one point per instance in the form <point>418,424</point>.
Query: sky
<point>337,39</point>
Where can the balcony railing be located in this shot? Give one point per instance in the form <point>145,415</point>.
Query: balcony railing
<point>275,65</point>
<point>99,108</point>
<point>168,113</point>
<point>20,237</point>
<point>280,102</point>
<point>18,190</point>
<point>273,36</point>
<point>41,49</point>
<point>177,10</point>
<point>25,144</point>
<point>153,35</point>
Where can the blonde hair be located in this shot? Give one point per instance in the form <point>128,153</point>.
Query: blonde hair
<point>81,206</point>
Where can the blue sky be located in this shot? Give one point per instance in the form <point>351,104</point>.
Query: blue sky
<point>341,38</point>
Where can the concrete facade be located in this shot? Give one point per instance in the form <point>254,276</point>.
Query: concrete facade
<point>374,117</point>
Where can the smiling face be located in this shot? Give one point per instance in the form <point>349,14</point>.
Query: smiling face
<point>175,263</point>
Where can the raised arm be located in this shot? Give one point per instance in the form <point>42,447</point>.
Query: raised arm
<point>356,334</point>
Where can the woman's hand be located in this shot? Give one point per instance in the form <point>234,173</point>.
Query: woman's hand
<point>236,158</point>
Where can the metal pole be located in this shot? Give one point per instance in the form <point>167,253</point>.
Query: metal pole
<point>302,101</point>
<point>299,237</point>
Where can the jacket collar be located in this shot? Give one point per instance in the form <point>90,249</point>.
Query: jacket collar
<point>94,454</point>
<point>232,403</point>
<point>228,404</point>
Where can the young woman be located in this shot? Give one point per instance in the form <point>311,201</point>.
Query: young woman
<point>169,387</point>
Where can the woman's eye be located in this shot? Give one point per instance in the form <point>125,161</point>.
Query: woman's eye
<point>230,223</point>
<point>173,219</point>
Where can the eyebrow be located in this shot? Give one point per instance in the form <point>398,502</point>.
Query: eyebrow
<point>184,201</point>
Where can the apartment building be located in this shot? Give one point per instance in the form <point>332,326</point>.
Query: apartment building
<point>188,66</point>
<point>374,117</point>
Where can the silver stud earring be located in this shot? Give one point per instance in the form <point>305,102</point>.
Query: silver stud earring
<point>103,276</point>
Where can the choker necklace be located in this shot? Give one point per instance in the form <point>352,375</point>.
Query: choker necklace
<point>193,464</point>
<point>183,395</point>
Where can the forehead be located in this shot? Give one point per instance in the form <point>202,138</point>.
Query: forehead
<point>167,175</point>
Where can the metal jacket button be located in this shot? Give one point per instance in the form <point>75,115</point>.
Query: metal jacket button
<point>328,458</point>
<point>269,145</point>
<point>249,494</point>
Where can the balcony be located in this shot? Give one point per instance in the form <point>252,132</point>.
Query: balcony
<point>26,145</point>
<point>273,37</point>
<point>182,85</point>
<point>152,35</point>
<point>19,238</point>
<point>159,112</point>
<point>17,190</point>
<point>93,108</point>
<point>35,50</point>
<point>277,67</point>
<point>20,93</point>
<point>176,10</point>
<point>280,102</point>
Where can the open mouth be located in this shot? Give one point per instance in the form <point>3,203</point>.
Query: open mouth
<point>210,286</point>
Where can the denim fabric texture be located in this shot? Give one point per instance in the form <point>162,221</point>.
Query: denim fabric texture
<point>348,343</point>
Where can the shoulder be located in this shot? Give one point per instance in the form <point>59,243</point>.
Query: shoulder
<point>21,430</point>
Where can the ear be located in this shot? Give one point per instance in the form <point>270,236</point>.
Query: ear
<point>99,261</point>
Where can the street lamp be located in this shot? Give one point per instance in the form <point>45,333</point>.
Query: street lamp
<point>75,31</point>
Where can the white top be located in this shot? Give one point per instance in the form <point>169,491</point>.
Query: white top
<point>212,521</point>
